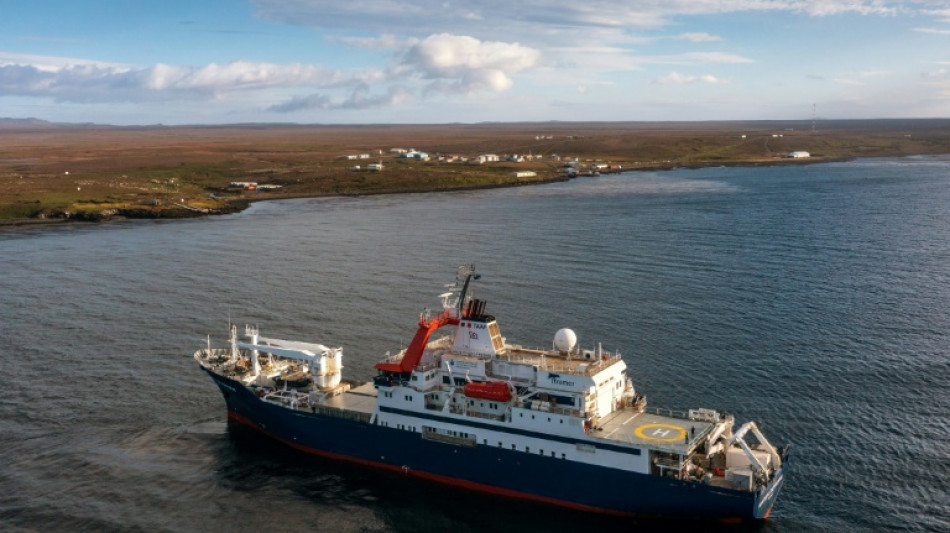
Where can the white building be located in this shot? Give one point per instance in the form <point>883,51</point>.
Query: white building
<point>422,156</point>
<point>799,154</point>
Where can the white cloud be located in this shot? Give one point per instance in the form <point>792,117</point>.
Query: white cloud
<point>440,63</point>
<point>857,78</point>
<point>385,41</point>
<point>824,8</point>
<point>935,31</point>
<point>938,73</point>
<point>675,78</point>
<point>460,63</point>
<point>301,103</point>
<point>93,82</point>
<point>848,81</point>
<point>691,58</point>
<point>359,98</point>
<point>716,57</point>
<point>942,15</point>
<point>698,37</point>
<point>53,63</point>
<point>444,53</point>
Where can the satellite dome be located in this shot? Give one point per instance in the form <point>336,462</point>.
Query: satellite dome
<point>565,339</point>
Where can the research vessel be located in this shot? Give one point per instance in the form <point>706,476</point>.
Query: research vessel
<point>461,405</point>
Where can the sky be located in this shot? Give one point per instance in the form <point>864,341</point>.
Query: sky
<point>138,62</point>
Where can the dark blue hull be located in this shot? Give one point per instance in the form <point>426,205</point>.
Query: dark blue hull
<point>494,470</point>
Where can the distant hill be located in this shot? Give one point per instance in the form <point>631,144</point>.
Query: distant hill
<point>20,123</point>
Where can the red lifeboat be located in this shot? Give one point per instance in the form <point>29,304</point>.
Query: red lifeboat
<point>495,391</point>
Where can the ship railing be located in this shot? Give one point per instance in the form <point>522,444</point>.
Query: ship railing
<point>291,398</point>
<point>216,357</point>
<point>570,367</point>
<point>546,407</point>
<point>671,413</point>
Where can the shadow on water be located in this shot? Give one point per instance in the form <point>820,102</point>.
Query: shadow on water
<point>405,504</point>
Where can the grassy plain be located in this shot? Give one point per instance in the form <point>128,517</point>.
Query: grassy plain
<point>55,172</point>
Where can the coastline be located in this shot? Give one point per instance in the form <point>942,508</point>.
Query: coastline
<point>238,205</point>
<point>70,174</point>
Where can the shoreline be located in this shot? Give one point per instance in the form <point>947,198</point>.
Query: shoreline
<point>240,204</point>
<point>63,174</point>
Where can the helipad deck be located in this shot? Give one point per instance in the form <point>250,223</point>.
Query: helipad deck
<point>652,430</point>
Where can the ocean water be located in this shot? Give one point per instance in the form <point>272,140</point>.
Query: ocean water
<point>813,299</point>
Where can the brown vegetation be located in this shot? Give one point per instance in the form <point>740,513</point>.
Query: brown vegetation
<point>93,172</point>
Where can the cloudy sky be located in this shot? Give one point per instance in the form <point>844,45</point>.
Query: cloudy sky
<point>432,61</point>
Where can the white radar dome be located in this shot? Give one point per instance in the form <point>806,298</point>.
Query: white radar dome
<point>565,339</point>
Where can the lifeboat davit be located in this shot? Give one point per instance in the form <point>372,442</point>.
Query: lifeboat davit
<point>495,391</point>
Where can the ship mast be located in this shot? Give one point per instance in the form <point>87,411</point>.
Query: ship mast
<point>453,304</point>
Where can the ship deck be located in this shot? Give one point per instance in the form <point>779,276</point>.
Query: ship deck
<point>548,360</point>
<point>652,430</point>
<point>361,399</point>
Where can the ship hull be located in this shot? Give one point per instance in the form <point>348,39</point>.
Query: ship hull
<point>493,470</point>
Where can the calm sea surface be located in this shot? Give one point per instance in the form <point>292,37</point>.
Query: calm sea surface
<point>814,300</point>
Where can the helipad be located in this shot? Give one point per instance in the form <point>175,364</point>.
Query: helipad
<point>651,429</point>
<point>661,432</point>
